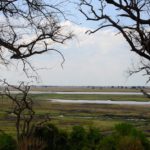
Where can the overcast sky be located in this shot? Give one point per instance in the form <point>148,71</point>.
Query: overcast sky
<point>100,59</point>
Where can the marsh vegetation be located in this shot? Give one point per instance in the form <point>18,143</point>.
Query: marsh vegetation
<point>66,115</point>
<point>71,120</point>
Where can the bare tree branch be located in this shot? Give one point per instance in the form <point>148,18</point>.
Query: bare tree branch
<point>131,18</point>
<point>30,28</point>
<point>22,107</point>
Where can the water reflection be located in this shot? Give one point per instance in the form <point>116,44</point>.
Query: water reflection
<point>100,102</point>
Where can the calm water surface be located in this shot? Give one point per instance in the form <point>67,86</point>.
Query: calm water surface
<point>100,102</point>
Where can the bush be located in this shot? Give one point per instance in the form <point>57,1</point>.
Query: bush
<point>78,138</point>
<point>124,129</point>
<point>93,138</point>
<point>54,138</point>
<point>108,143</point>
<point>129,143</point>
<point>62,141</point>
<point>125,137</point>
<point>31,143</point>
<point>49,134</point>
<point>7,142</point>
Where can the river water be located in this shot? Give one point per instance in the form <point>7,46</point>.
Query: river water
<point>100,102</point>
<point>102,93</point>
<point>92,101</point>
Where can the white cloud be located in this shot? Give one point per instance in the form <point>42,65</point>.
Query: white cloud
<point>98,59</point>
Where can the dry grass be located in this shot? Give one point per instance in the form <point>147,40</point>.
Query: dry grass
<point>67,115</point>
<point>31,143</point>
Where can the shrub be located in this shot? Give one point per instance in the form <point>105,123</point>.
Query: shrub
<point>125,137</point>
<point>54,138</point>
<point>108,143</point>
<point>7,142</point>
<point>49,134</point>
<point>62,141</point>
<point>129,143</point>
<point>31,143</point>
<point>93,138</point>
<point>125,129</point>
<point>78,138</point>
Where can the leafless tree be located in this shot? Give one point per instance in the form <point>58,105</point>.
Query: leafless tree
<point>131,18</point>
<point>30,27</point>
<point>22,107</point>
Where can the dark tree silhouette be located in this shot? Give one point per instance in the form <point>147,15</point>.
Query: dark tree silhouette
<point>130,17</point>
<point>22,107</point>
<point>30,27</point>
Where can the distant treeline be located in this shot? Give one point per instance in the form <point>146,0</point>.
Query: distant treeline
<point>83,87</point>
<point>92,87</point>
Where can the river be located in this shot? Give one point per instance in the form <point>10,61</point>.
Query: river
<point>100,102</point>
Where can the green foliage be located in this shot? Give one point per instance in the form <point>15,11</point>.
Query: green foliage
<point>124,129</point>
<point>62,142</point>
<point>125,137</point>
<point>93,138</point>
<point>78,138</point>
<point>49,137</point>
<point>7,142</point>
<point>108,143</point>
<point>81,139</point>
<point>49,134</point>
<point>129,143</point>
<point>54,138</point>
<point>131,134</point>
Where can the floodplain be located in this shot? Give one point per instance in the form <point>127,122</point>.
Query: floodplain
<point>66,115</point>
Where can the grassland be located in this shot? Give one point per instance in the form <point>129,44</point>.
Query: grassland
<point>67,115</point>
<point>87,89</point>
<point>91,97</point>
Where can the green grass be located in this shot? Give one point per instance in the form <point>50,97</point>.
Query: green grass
<point>67,123</point>
<point>91,97</point>
<point>67,115</point>
<point>87,89</point>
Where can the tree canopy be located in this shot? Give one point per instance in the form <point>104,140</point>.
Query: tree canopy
<point>131,18</point>
<point>30,27</point>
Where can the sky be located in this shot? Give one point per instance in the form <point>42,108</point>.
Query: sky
<point>100,59</point>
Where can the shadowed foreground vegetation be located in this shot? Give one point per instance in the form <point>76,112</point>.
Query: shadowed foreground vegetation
<point>49,137</point>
